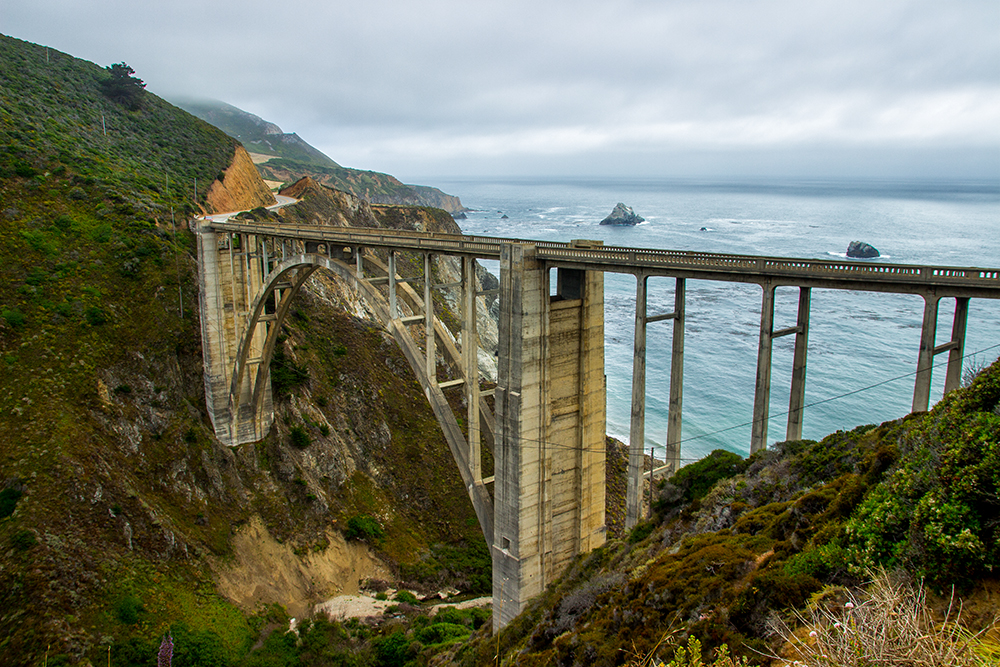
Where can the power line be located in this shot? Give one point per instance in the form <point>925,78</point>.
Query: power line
<point>556,446</point>
<point>838,397</point>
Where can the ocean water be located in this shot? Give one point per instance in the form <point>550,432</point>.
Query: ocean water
<point>862,346</point>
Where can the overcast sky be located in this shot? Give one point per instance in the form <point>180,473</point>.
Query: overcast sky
<point>873,88</point>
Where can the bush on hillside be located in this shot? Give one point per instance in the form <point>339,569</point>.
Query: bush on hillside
<point>364,527</point>
<point>936,513</point>
<point>122,87</point>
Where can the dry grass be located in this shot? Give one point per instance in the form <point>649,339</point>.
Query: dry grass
<point>891,625</point>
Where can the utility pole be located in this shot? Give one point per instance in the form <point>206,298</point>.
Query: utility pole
<point>177,264</point>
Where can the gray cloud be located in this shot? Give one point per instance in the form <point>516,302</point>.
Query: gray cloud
<point>465,86</point>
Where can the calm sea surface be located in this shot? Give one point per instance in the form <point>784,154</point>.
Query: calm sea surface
<point>856,339</point>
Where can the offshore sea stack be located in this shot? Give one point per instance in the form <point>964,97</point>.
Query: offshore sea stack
<point>862,250</point>
<point>623,216</point>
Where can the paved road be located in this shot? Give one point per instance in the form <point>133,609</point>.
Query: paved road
<point>223,217</point>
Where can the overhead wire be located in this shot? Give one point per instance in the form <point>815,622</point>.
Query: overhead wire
<point>562,447</point>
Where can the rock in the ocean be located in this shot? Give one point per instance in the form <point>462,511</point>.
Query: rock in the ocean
<point>861,249</point>
<point>622,215</point>
<point>460,216</point>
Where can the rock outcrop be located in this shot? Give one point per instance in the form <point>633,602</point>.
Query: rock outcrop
<point>623,216</point>
<point>861,250</point>
<point>241,187</point>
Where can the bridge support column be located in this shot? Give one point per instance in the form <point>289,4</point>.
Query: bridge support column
<point>673,453</point>
<point>797,397</point>
<point>550,443</point>
<point>925,358</point>
<point>393,307</point>
<point>470,361</point>
<point>953,379</point>
<point>637,429</point>
<point>633,492</point>
<point>955,349</point>
<point>762,389</point>
<point>431,358</point>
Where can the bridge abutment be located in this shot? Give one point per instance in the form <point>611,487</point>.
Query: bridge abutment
<point>550,419</point>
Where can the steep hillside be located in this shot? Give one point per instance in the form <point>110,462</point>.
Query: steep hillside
<point>255,133</point>
<point>737,546</point>
<point>121,517</point>
<point>293,159</point>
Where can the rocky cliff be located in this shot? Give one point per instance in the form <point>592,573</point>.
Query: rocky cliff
<point>240,187</point>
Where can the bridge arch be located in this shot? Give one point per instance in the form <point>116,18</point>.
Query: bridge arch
<point>249,386</point>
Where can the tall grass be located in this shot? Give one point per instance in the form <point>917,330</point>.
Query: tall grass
<point>890,624</point>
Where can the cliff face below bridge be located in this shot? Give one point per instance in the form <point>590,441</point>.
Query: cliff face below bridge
<point>241,187</point>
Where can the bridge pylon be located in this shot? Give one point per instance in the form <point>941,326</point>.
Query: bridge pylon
<point>550,420</point>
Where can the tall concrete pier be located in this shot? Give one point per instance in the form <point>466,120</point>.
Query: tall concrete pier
<point>550,408</point>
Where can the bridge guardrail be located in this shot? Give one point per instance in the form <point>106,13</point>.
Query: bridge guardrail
<point>628,260</point>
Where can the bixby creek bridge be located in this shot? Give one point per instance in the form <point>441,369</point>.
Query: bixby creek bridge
<point>548,434</point>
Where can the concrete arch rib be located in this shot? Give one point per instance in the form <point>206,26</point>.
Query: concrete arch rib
<point>246,399</point>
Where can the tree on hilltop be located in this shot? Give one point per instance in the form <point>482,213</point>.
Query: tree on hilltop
<point>122,87</point>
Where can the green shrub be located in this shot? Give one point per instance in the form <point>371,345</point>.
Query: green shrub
<point>640,532</point>
<point>95,316</point>
<point>299,438</point>
<point>392,651</point>
<point>406,597</point>
<point>23,540</point>
<point>364,527</point>
<point>128,610</point>
<point>8,501</point>
<point>285,373</point>
<point>935,513</point>
<point>694,481</point>
<point>13,317</point>
<point>440,634</point>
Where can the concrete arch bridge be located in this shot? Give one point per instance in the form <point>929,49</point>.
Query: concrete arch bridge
<point>548,434</point>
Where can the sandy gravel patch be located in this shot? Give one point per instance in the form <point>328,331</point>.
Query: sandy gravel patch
<point>352,606</point>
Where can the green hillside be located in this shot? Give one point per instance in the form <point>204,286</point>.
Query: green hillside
<point>117,505</point>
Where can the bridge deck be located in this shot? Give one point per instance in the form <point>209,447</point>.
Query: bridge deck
<point>867,276</point>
